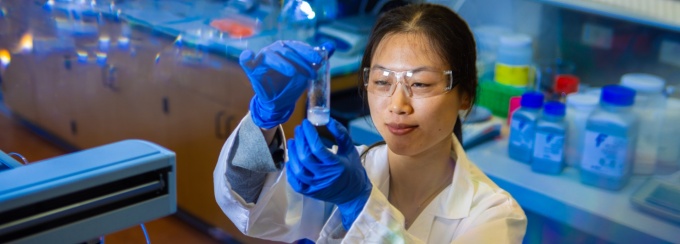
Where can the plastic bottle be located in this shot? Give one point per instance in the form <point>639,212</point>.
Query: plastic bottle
<point>548,156</point>
<point>522,127</point>
<point>297,21</point>
<point>513,62</point>
<point>650,105</point>
<point>579,107</point>
<point>488,39</point>
<point>513,106</point>
<point>609,143</point>
<point>669,144</point>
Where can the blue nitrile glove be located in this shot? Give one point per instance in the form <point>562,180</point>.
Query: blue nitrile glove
<point>279,74</point>
<point>315,171</point>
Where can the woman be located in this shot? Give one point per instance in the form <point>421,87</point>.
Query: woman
<point>417,73</point>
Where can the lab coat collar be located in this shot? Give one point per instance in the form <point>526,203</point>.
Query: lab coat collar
<point>383,176</point>
<point>455,202</point>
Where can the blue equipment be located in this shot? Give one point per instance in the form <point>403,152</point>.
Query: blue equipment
<point>83,195</point>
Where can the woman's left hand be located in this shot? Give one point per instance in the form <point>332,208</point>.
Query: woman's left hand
<point>315,171</point>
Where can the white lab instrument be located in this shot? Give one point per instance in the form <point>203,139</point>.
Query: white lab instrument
<point>660,195</point>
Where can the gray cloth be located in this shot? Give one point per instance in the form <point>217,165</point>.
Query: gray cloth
<point>250,161</point>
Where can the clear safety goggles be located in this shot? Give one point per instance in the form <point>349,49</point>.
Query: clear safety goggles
<point>416,83</point>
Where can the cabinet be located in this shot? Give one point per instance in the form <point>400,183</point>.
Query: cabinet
<point>184,99</point>
<point>190,109</point>
<point>656,13</point>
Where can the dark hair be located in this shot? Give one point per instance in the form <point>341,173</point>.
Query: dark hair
<point>448,34</point>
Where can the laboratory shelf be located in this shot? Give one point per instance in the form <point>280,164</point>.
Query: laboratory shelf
<point>663,14</point>
<point>609,215</point>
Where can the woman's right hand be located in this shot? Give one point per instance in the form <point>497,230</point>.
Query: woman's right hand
<point>279,74</point>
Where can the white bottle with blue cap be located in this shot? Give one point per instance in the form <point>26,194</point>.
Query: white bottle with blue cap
<point>523,126</point>
<point>609,144</point>
<point>548,156</point>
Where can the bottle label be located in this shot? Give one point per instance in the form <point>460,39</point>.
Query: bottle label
<point>512,75</point>
<point>549,146</point>
<point>605,154</point>
<point>522,133</point>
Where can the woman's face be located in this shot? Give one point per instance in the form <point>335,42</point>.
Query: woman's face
<point>412,126</point>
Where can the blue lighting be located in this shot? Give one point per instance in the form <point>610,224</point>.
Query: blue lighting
<point>307,9</point>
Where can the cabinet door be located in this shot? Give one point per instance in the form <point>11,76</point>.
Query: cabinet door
<point>140,101</point>
<point>18,87</point>
<point>94,105</point>
<point>197,130</point>
<point>53,94</point>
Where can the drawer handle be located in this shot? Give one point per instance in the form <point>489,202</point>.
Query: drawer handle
<point>74,127</point>
<point>166,105</point>
<point>109,77</point>
<point>220,132</point>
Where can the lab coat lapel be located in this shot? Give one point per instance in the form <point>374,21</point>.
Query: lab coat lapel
<point>380,170</point>
<point>381,177</point>
<point>453,203</point>
<point>456,202</point>
<point>422,226</point>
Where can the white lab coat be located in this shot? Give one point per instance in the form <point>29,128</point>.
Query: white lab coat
<point>472,210</point>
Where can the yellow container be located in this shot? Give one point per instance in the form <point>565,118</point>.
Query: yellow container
<point>513,75</point>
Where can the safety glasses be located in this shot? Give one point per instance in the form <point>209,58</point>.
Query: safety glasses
<point>420,83</point>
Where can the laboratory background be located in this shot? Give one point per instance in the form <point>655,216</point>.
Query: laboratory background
<point>577,115</point>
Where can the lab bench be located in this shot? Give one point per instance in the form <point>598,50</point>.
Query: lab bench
<point>608,215</point>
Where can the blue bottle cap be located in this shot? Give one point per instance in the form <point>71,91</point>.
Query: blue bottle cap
<point>554,108</point>
<point>532,100</point>
<point>618,95</point>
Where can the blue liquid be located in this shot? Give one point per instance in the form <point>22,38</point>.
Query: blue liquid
<point>319,115</point>
<point>522,132</point>
<point>608,166</point>
<point>548,156</point>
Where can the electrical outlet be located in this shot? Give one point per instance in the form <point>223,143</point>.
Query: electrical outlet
<point>597,36</point>
<point>669,53</point>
